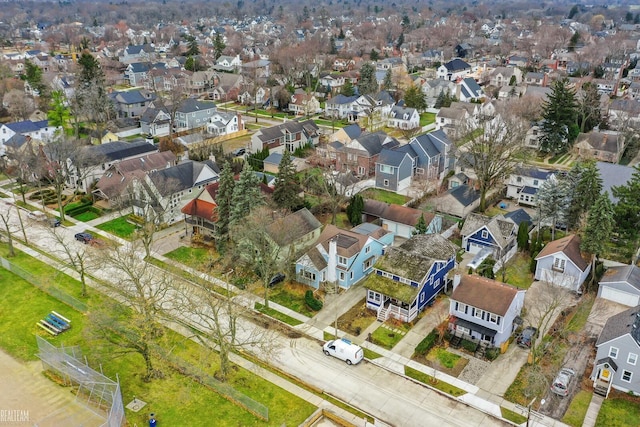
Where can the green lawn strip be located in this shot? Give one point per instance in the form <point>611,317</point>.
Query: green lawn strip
<point>193,257</point>
<point>370,354</point>
<point>578,408</point>
<point>119,227</point>
<point>277,315</point>
<point>186,275</point>
<point>348,408</point>
<point>510,415</point>
<point>86,216</point>
<point>384,196</point>
<point>579,319</point>
<point>178,400</point>
<point>427,118</point>
<point>445,358</point>
<point>386,338</point>
<point>433,382</point>
<point>294,302</point>
<point>619,412</point>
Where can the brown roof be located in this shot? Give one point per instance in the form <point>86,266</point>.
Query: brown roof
<point>570,246</point>
<point>290,228</point>
<point>348,242</point>
<point>396,213</point>
<point>486,294</point>
<point>202,209</point>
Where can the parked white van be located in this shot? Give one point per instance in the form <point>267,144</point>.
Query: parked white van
<point>344,350</point>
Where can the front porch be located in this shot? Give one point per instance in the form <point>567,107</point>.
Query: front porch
<point>604,371</point>
<point>390,298</point>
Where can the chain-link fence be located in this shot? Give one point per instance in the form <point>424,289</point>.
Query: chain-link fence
<point>95,390</point>
<point>42,285</point>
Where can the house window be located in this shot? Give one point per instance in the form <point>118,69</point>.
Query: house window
<point>367,264</point>
<point>558,264</point>
<point>386,169</point>
<point>478,313</point>
<point>463,329</point>
<point>613,352</point>
<point>485,234</point>
<point>462,308</point>
<point>626,376</point>
<point>342,276</point>
<point>535,182</point>
<point>367,249</point>
<point>374,296</point>
<point>493,318</point>
<point>361,170</point>
<point>309,275</point>
<point>632,358</point>
<point>351,275</point>
<point>386,183</point>
<point>519,179</point>
<point>342,260</point>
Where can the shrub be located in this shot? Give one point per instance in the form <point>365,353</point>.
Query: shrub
<point>311,301</point>
<point>470,346</point>
<point>492,353</point>
<point>427,343</point>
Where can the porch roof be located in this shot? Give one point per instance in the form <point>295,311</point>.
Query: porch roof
<point>608,361</point>
<point>391,288</point>
<point>475,327</point>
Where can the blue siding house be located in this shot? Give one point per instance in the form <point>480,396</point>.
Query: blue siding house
<point>496,233</point>
<point>394,170</point>
<point>408,277</point>
<point>348,255</point>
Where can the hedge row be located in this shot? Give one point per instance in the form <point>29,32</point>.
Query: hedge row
<point>311,301</point>
<point>427,343</point>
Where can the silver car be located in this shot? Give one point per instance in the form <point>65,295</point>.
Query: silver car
<point>560,385</point>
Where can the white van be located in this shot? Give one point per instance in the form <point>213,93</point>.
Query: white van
<point>344,350</point>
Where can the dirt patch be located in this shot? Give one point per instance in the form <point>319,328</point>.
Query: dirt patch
<point>357,319</point>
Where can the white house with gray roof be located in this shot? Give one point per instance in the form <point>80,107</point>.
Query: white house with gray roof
<point>403,118</point>
<point>523,184</point>
<point>621,284</point>
<point>617,352</point>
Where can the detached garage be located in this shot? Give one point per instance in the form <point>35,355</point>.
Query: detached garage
<point>621,285</point>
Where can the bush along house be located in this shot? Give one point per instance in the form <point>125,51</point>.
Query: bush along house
<point>407,278</point>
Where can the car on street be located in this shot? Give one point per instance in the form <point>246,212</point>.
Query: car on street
<point>84,237</point>
<point>54,222</point>
<point>279,277</point>
<point>560,385</point>
<point>37,216</point>
<point>527,336</point>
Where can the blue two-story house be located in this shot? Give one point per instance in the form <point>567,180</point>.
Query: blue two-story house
<point>484,310</point>
<point>407,278</point>
<point>495,233</point>
<point>346,256</point>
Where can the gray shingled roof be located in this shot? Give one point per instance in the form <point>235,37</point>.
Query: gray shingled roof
<point>391,157</point>
<point>627,322</point>
<point>177,178</point>
<point>627,273</point>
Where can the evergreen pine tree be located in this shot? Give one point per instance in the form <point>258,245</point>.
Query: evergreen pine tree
<point>627,209</point>
<point>414,98</point>
<point>224,200</point>
<point>347,88</point>
<point>584,184</point>
<point>598,231</point>
<point>559,128</point>
<point>286,191</point>
<point>388,80</point>
<point>246,195</point>
<point>354,209</point>
<point>374,56</point>
<point>368,84</point>
<point>552,200</point>
<point>421,226</point>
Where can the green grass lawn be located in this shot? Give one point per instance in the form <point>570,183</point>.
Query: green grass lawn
<point>433,382</point>
<point>577,409</point>
<point>579,319</point>
<point>119,227</point>
<point>508,414</point>
<point>518,273</point>
<point>427,118</point>
<point>277,315</point>
<point>386,338</point>
<point>290,298</point>
<point>445,358</point>
<point>86,216</point>
<point>619,413</point>
<point>193,257</point>
<point>176,399</point>
<point>384,196</point>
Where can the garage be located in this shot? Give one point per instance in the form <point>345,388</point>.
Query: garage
<point>619,296</point>
<point>474,248</point>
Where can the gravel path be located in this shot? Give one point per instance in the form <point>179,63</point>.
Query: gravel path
<point>474,369</point>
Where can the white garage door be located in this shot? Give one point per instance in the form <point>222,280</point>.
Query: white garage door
<point>620,296</point>
<point>475,248</point>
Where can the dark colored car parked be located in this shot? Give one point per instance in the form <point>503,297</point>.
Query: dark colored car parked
<point>84,237</point>
<point>279,277</point>
<point>54,222</point>
<point>527,336</point>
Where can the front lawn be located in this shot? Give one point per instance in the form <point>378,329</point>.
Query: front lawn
<point>290,295</point>
<point>619,412</point>
<point>427,118</point>
<point>277,315</point>
<point>86,216</point>
<point>357,319</point>
<point>387,338</point>
<point>119,227</point>
<point>578,408</point>
<point>384,196</point>
<point>196,258</point>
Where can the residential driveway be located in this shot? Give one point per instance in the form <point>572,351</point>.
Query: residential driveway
<point>601,311</point>
<point>541,301</point>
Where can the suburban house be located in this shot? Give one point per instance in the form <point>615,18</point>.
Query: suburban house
<point>484,310</point>
<point>523,185</point>
<point>294,232</point>
<point>497,234</point>
<point>606,146</point>
<point>38,131</point>
<point>617,351</point>
<point>532,138</point>
<point>394,170</point>
<point>303,104</point>
<point>400,220</point>
<point>222,123</point>
<point>536,79</point>
<point>459,201</point>
<point>468,90</point>
<point>193,114</point>
<point>155,121</point>
<point>134,53</point>
<point>111,189</point>
<point>92,161</point>
<point>136,73</point>
<point>432,89</point>
<point>339,106</point>
<point>286,136</point>
<point>343,256</point>
<point>433,153</point>
<point>167,191</point>
<point>361,154</point>
<point>560,262</point>
<point>131,103</point>
<point>407,278</point>
<point>621,284</point>
<point>404,118</point>
<point>501,76</point>
<point>228,64</point>
<point>450,120</point>
<point>453,69</point>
